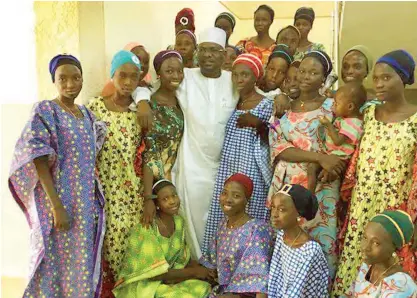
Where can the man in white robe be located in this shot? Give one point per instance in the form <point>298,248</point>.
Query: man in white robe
<point>207,100</point>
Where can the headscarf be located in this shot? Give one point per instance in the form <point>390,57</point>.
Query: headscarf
<point>398,224</point>
<point>185,17</point>
<point>243,180</point>
<point>190,34</point>
<point>403,64</point>
<point>306,13</point>
<point>63,59</point>
<point>164,55</point>
<point>281,50</point>
<point>304,200</point>
<point>131,45</point>
<point>253,62</point>
<point>364,51</point>
<point>227,16</point>
<point>160,184</point>
<point>289,27</point>
<point>123,57</point>
<point>324,60</point>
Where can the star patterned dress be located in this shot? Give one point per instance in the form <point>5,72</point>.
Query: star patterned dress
<point>122,187</point>
<point>384,180</point>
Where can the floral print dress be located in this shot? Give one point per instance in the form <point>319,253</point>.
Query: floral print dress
<point>122,187</point>
<point>303,130</point>
<point>248,46</point>
<point>163,140</point>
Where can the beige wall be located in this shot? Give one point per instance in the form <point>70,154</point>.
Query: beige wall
<point>381,26</point>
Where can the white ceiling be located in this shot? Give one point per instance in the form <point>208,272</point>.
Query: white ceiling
<point>283,9</point>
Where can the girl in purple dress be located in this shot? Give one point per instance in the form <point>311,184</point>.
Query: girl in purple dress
<point>53,180</point>
<point>239,255</point>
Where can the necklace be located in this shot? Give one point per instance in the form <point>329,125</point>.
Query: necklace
<point>381,275</point>
<point>68,109</point>
<point>295,239</point>
<point>162,222</point>
<point>234,225</point>
<point>303,102</point>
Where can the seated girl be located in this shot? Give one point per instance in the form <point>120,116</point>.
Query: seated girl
<point>381,274</point>
<point>157,259</point>
<point>241,249</point>
<point>298,266</point>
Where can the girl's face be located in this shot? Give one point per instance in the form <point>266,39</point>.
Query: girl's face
<point>354,67</point>
<point>275,73</point>
<point>387,83</point>
<point>68,81</point>
<point>310,75</point>
<point>143,57</point>
<point>291,85</point>
<point>171,73</point>
<point>168,200</point>
<point>376,244</point>
<point>283,212</point>
<point>230,58</point>
<point>290,38</point>
<point>303,26</point>
<point>126,79</point>
<point>184,44</point>
<point>262,21</point>
<point>233,199</point>
<point>243,78</point>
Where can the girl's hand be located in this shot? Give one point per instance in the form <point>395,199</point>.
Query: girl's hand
<point>247,120</point>
<point>61,218</point>
<point>149,211</point>
<point>332,164</point>
<point>281,105</point>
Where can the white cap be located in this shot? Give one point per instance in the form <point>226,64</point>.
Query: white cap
<point>214,35</point>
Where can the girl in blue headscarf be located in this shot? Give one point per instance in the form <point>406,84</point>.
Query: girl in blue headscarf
<point>116,163</point>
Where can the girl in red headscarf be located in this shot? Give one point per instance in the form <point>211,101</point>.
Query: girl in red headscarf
<point>242,247</point>
<point>245,147</point>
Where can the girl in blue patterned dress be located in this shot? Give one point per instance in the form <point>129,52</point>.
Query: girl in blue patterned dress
<point>241,250</point>
<point>298,266</point>
<point>246,148</point>
<point>53,180</point>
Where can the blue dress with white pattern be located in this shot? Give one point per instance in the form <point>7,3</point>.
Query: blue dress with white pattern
<point>298,272</point>
<point>243,152</point>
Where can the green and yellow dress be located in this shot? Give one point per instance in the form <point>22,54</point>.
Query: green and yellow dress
<point>150,254</point>
<point>122,187</point>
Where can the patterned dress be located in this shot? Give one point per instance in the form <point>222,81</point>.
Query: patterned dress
<point>243,152</point>
<point>384,180</point>
<point>298,272</point>
<point>399,285</point>
<point>163,140</point>
<point>63,263</point>
<point>122,187</point>
<point>248,46</point>
<point>303,130</point>
<point>150,254</point>
<point>298,56</point>
<point>241,257</point>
